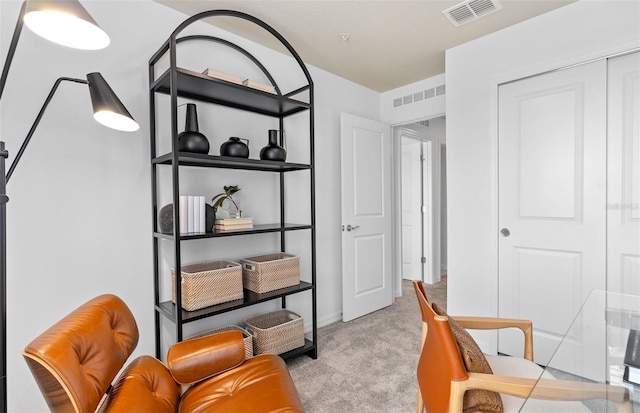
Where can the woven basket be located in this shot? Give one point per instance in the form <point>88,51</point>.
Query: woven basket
<point>208,283</point>
<point>276,332</point>
<point>270,272</point>
<point>247,338</point>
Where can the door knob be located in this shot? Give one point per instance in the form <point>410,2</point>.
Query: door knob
<point>350,228</point>
<point>505,232</point>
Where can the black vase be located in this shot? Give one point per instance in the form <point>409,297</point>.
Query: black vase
<point>191,140</point>
<point>273,151</point>
<point>235,147</point>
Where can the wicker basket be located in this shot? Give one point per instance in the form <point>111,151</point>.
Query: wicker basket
<point>270,272</point>
<point>276,332</point>
<point>208,283</point>
<point>247,338</point>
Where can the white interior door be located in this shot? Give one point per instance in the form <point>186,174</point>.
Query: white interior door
<point>366,216</point>
<point>623,175</point>
<point>552,177</point>
<point>412,248</point>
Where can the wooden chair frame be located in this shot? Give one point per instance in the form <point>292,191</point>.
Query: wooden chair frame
<point>546,389</point>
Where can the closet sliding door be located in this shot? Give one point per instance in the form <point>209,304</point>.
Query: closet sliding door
<point>569,203</point>
<point>552,193</point>
<point>623,170</point>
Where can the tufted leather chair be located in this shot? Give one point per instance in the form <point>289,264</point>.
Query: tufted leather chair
<point>76,360</point>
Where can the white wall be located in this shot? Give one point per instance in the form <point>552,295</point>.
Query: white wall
<point>79,218</point>
<point>572,34</point>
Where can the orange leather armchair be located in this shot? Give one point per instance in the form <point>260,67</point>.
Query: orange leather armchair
<point>446,384</point>
<point>76,360</point>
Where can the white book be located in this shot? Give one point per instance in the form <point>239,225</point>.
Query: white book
<point>196,213</point>
<point>190,220</point>
<point>203,215</point>
<point>184,215</point>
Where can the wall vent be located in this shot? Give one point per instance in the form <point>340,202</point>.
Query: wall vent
<point>419,96</point>
<point>470,10</point>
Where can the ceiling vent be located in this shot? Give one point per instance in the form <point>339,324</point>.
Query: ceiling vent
<point>418,96</point>
<point>471,10</point>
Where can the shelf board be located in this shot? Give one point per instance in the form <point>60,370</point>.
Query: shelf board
<point>229,162</point>
<point>257,229</point>
<point>168,308</point>
<point>194,85</point>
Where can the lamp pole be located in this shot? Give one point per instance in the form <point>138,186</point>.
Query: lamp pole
<point>4,154</point>
<point>49,16</point>
<point>3,281</point>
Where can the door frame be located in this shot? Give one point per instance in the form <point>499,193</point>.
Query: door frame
<point>416,131</point>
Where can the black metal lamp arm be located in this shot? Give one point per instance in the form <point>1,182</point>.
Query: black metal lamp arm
<point>26,141</point>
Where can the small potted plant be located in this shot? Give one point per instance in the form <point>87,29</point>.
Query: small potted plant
<point>219,199</point>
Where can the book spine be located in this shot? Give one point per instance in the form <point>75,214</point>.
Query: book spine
<point>190,220</point>
<point>184,215</point>
<point>203,218</point>
<point>196,214</point>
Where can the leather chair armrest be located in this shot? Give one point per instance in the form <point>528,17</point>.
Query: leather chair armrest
<point>493,323</point>
<point>194,360</point>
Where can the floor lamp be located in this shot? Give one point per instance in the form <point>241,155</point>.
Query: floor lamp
<point>68,23</point>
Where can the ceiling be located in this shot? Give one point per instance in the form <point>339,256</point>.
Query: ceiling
<point>391,42</point>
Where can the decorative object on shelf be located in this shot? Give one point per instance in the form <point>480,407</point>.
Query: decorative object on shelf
<point>165,217</point>
<point>210,217</point>
<point>233,224</point>
<point>215,74</point>
<point>191,140</point>
<point>260,86</point>
<point>208,283</point>
<point>273,151</point>
<point>270,272</point>
<point>276,332</point>
<point>233,211</point>
<point>235,147</point>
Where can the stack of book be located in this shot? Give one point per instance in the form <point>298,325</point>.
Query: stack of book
<point>223,76</point>
<point>260,86</point>
<point>632,359</point>
<point>192,214</point>
<point>232,224</point>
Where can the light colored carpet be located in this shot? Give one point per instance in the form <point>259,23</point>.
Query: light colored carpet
<point>369,364</point>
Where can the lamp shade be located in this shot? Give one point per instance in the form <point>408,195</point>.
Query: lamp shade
<point>107,108</point>
<point>65,22</point>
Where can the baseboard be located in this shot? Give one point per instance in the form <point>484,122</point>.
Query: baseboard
<point>323,322</point>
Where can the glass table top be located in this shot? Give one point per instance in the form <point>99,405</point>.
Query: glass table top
<point>590,360</point>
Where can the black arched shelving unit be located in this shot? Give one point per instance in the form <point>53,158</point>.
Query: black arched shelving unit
<point>177,82</point>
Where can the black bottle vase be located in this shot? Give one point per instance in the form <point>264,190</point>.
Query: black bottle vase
<point>273,151</point>
<point>191,140</point>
